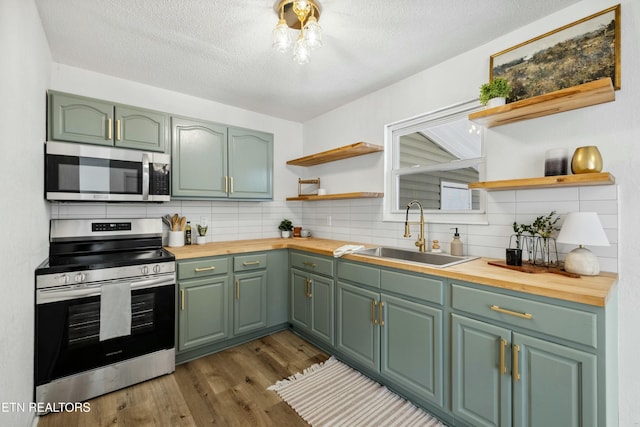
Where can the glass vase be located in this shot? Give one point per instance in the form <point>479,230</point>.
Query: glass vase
<point>546,252</point>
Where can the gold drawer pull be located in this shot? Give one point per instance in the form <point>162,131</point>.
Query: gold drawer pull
<point>309,264</point>
<point>499,309</point>
<point>380,314</point>
<point>182,299</point>
<point>226,184</point>
<point>109,129</point>
<point>200,269</point>
<point>237,289</point>
<point>247,263</point>
<point>118,130</point>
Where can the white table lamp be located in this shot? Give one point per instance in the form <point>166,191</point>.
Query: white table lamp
<point>582,228</point>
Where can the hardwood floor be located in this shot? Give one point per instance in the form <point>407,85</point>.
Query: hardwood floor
<point>228,388</point>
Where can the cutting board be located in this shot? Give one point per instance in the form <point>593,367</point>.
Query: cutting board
<point>534,269</point>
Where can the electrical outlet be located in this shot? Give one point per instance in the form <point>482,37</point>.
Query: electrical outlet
<point>328,219</point>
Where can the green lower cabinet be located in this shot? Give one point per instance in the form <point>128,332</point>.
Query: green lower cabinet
<point>203,312</point>
<point>504,378</point>
<point>312,306</point>
<point>412,346</point>
<point>399,339</point>
<point>481,393</point>
<point>358,335</point>
<point>250,302</point>
<point>557,385</point>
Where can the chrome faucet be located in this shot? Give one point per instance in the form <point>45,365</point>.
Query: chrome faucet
<point>420,243</point>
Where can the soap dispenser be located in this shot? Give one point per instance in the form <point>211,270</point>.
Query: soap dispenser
<point>456,244</point>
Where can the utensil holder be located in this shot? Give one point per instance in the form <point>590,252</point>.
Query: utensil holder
<point>176,239</point>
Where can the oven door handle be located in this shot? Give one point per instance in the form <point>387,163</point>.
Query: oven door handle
<point>66,293</point>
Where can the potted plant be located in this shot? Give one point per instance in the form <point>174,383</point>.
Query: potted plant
<point>514,255</point>
<point>201,238</point>
<point>285,228</point>
<point>495,92</point>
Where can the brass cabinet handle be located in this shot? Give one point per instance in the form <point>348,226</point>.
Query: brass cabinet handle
<point>373,312</point>
<point>306,287</point>
<point>201,269</point>
<point>310,288</point>
<point>499,309</point>
<point>516,373</point>
<point>237,289</point>
<point>118,129</point>
<point>309,264</point>
<point>231,182</point>
<point>247,263</point>
<point>226,184</point>
<point>109,128</point>
<point>380,313</point>
<point>181,299</point>
<point>503,345</point>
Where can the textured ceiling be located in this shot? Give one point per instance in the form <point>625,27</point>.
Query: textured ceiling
<point>221,49</point>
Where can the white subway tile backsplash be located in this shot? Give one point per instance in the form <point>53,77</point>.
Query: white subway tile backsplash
<point>360,220</point>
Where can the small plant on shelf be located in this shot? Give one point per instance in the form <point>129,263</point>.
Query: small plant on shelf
<point>496,88</point>
<point>202,229</point>
<point>546,252</point>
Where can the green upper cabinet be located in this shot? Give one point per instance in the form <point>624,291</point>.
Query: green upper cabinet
<point>213,161</point>
<point>141,129</point>
<point>199,159</point>
<point>250,164</point>
<point>79,119</point>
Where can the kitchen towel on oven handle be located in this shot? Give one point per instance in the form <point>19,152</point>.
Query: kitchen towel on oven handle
<point>115,310</point>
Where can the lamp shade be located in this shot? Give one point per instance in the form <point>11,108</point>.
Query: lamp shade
<point>582,228</point>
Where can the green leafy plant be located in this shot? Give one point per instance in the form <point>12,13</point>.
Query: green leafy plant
<point>285,225</point>
<point>202,229</point>
<point>545,226</point>
<point>498,87</point>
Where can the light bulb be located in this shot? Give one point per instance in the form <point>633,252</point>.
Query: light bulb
<point>281,39</point>
<point>313,33</point>
<point>301,51</point>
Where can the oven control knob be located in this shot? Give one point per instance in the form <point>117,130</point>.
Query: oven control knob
<point>64,279</point>
<point>145,270</point>
<point>79,277</point>
<point>156,269</point>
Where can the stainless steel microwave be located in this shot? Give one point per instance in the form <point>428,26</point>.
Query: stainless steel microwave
<point>97,173</point>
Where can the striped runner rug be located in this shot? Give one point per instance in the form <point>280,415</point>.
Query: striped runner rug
<point>333,394</point>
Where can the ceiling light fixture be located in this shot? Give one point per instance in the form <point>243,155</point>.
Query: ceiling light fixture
<point>298,15</point>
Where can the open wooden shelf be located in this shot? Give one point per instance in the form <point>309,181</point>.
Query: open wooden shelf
<point>584,179</point>
<point>357,195</point>
<point>353,150</point>
<point>584,95</point>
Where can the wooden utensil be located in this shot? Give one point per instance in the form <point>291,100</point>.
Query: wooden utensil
<point>183,223</point>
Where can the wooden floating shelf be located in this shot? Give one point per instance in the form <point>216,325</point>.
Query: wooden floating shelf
<point>584,179</point>
<point>348,151</point>
<point>357,195</point>
<point>584,95</point>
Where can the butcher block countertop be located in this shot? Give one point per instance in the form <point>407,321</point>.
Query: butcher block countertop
<point>592,290</point>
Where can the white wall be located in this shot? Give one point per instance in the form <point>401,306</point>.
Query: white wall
<point>513,151</point>
<point>24,78</point>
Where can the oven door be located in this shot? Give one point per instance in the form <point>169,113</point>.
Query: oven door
<point>68,327</point>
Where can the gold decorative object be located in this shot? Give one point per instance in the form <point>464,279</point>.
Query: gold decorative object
<point>586,160</point>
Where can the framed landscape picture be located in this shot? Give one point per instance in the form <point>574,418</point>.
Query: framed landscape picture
<point>580,52</point>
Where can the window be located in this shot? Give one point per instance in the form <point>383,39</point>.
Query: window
<point>432,158</point>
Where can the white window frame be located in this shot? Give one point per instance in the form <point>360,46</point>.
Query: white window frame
<point>394,131</point>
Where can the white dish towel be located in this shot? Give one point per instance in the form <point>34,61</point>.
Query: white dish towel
<point>115,310</point>
<point>346,249</point>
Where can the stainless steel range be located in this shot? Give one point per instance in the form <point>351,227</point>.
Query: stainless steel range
<point>105,308</point>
